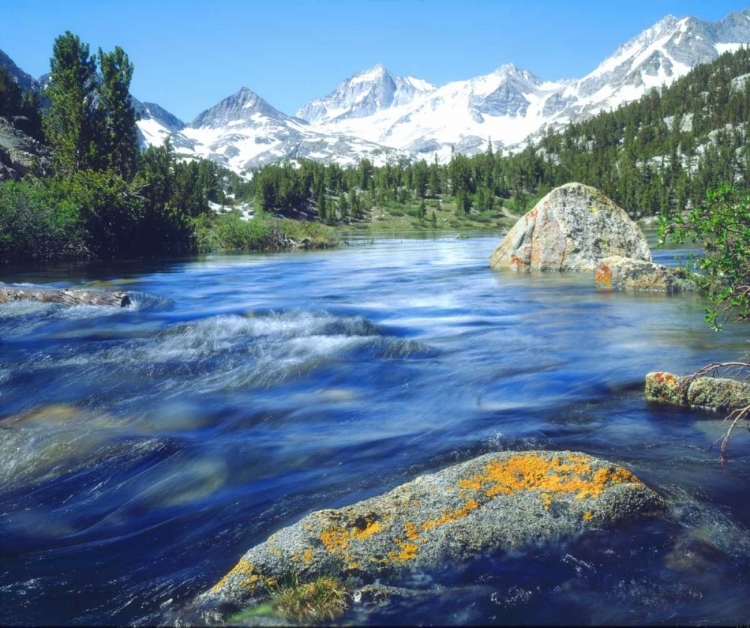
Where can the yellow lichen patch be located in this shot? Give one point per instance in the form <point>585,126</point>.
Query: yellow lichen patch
<point>411,531</point>
<point>337,539</point>
<point>546,500</point>
<point>588,516</point>
<point>353,566</point>
<point>248,576</point>
<point>372,527</point>
<point>300,556</point>
<point>564,474</point>
<point>449,517</point>
<point>408,552</point>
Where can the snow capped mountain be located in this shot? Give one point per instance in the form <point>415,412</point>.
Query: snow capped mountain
<point>364,94</point>
<point>244,131</point>
<point>510,105</point>
<point>505,105</point>
<point>155,124</point>
<point>381,116</point>
<point>658,56</point>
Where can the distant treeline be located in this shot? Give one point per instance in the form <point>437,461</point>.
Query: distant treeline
<point>660,154</point>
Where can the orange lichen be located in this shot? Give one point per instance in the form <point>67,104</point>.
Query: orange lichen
<point>449,517</point>
<point>524,472</point>
<point>665,378</point>
<point>337,539</point>
<point>300,556</point>
<point>603,276</point>
<point>588,516</point>
<point>372,527</point>
<point>546,500</point>
<point>411,531</point>
<point>516,262</point>
<point>249,578</point>
<point>408,551</point>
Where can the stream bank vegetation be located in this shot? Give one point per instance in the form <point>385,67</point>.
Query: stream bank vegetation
<point>320,601</point>
<point>721,226</point>
<point>100,196</point>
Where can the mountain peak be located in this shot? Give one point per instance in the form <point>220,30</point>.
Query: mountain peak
<point>364,94</point>
<point>507,68</point>
<point>374,74</point>
<point>237,109</point>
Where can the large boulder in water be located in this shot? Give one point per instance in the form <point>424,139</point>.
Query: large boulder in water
<point>570,229</point>
<point>497,502</point>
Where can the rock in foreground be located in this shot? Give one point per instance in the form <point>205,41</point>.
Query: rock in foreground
<point>716,393</point>
<point>499,501</point>
<point>622,273</point>
<point>571,229</point>
<point>64,297</point>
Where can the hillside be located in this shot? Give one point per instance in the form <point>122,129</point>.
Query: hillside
<point>659,154</point>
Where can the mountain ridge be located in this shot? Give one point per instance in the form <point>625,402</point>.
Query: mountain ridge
<point>379,115</point>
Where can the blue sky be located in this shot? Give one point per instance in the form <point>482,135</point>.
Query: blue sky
<point>190,54</point>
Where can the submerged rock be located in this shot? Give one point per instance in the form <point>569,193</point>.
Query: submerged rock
<point>500,501</point>
<point>717,393</point>
<point>64,296</point>
<point>571,229</point>
<point>624,273</point>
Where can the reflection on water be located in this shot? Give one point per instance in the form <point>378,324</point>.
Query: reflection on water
<point>143,450</point>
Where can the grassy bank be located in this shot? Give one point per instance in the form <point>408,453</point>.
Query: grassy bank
<point>229,232</point>
<point>440,214</point>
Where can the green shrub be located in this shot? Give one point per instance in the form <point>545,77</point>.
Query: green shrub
<point>38,223</point>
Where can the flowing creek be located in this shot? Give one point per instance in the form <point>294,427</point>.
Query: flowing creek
<point>144,450</point>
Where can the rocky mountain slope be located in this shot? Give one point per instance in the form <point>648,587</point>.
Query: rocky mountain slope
<point>244,131</point>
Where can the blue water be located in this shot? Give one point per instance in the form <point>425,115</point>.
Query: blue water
<point>144,450</point>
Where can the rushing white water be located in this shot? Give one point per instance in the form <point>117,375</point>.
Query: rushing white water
<point>143,450</point>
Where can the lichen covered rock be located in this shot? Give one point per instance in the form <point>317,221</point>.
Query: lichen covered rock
<point>623,273</point>
<point>717,393</point>
<point>499,501</point>
<point>571,229</point>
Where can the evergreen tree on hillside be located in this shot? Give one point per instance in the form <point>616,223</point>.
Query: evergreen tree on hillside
<point>69,125</point>
<point>117,132</point>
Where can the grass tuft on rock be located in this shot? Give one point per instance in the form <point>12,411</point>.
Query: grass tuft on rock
<point>320,601</point>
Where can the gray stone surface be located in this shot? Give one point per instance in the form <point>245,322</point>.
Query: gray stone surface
<point>18,152</point>
<point>717,393</point>
<point>571,229</point>
<point>499,501</point>
<point>624,273</point>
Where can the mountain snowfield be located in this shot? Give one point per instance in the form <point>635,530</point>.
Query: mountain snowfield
<point>383,117</point>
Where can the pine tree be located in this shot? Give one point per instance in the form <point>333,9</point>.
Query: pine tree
<point>118,139</point>
<point>69,124</point>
